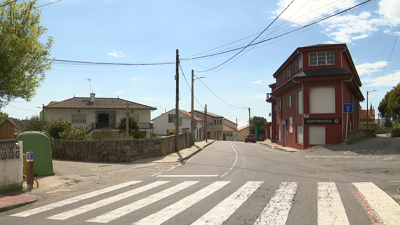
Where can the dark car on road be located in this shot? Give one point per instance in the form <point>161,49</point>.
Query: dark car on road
<point>250,137</point>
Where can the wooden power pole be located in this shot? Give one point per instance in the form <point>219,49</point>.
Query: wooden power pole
<point>177,103</point>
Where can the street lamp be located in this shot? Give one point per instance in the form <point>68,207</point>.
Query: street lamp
<point>367,107</point>
<point>192,109</point>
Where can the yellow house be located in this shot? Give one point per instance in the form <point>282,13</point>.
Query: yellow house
<point>243,131</point>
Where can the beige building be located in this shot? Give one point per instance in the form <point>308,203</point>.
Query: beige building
<point>242,132</point>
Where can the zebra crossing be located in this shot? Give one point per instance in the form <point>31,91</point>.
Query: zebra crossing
<point>381,208</point>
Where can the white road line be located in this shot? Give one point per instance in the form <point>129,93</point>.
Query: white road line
<point>330,206</point>
<point>277,210</point>
<point>73,200</point>
<point>101,203</point>
<point>175,176</point>
<point>386,208</point>
<point>236,159</point>
<point>226,208</point>
<point>122,211</point>
<point>174,209</point>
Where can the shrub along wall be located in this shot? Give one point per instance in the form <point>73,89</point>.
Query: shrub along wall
<point>118,150</point>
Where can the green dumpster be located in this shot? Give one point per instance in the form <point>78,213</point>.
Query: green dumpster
<point>40,144</point>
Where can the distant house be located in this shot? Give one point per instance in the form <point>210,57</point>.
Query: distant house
<point>242,132</point>
<point>97,113</point>
<point>166,121</point>
<point>214,125</point>
<point>230,132</point>
<point>6,130</point>
<point>370,118</point>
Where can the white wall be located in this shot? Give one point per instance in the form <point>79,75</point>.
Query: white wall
<point>11,170</point>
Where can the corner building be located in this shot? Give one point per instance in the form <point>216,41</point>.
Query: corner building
<point>309,96</point>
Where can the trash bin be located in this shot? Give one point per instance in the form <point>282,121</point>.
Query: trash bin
<point>40,144</point>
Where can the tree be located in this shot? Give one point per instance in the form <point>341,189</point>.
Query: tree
<point>24,59</point>
<point>133,124</point>
<point>389,107</point>
<point>259,122</point>
<point>57,127</point>
<point>3,115</point>
<point>34,124</point>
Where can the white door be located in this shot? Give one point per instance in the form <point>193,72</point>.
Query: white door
<point>316,135</point>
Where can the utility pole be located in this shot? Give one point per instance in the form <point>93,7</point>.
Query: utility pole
<point>249,123</point>
<point>192,109</point>
<point>205,122</point>
<point>127,121</point>
<point>177,103</point>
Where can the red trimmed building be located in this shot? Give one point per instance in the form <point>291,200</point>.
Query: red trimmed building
<point>311,97</point>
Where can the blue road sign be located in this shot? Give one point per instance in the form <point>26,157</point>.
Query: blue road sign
<point>348,108</point>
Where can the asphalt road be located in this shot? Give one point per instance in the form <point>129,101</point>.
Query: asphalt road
<point>234,183</point>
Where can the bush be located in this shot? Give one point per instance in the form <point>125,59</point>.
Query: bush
<point>103,134</point>
<point>138,136</point>
<point>35,124</point>
<point>76,133</point>
<point>171,132</point>
<point>396,126</point>
<point>57,127</point>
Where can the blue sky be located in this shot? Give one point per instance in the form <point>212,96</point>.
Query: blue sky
<point>134,31</point>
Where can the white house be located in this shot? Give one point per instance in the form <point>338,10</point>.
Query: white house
<point>165,122</point>
<point>229,130</point>
<point>96,113</point>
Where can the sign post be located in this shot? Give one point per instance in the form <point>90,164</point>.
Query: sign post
<point>347,108</point>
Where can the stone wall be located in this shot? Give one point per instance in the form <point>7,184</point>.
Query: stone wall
<point>358,134</point>
<point>118,150</point>
<point>11,163</point>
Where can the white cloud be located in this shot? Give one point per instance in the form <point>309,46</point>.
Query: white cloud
<point>389,80</point>
<point>390,10</point>
<point>261,96</point>
<point>116,54</point>
<point>136,80</point>
<point>119,92</point>
<point>368,68</point>
<point>259,82</point>
<point>345,27</point>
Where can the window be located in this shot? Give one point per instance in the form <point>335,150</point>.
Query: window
<point>279,104</point>
<point>171,118</point>
<point>284,102</point>
<point>322,99</point>
<point>322,58</point>
<point>299,136</point>
<point>289,100</point>
<point>283,75</point>
<point>78,118</point>
<point>299,63</point>
<point>299,101</point>
<point>288,72</point>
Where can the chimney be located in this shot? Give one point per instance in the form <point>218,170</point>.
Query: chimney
<point>92,97</point>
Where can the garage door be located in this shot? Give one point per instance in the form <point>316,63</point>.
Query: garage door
<point>316,135</point>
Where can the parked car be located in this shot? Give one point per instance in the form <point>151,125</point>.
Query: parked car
<point>250,137</point>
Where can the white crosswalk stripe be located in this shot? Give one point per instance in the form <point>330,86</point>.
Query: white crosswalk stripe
<point>98,204</point>
<point>141,203</point>
<point>276,210</point>
<point>386,208</point>
<point>73,200</point>
<point>330,207</point>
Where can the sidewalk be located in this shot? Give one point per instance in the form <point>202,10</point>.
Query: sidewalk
<point>275,146</point>
<point>14,200</point>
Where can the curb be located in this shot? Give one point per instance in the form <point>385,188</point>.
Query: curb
<point>19,204</point>
<point>199,149</point>
<point>278,147</point>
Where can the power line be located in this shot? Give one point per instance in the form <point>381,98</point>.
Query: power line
<point>73,62</point>
<point>251,41</point>
<point>189,85</point>
<point>49,3</point>
<point>389,58</point>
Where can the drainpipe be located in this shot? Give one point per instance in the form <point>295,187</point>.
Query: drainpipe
<point>343,105</point>
<point>302,119</point>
